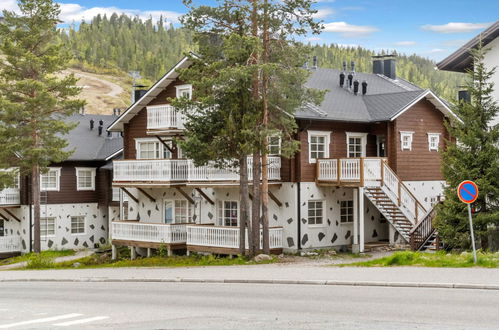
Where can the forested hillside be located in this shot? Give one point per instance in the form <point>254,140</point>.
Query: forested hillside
<point>124,43</point>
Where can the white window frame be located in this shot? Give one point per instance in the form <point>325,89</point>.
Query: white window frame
<point>430,146</point>
<point>57,170</point>
<point>221,212</point>
<point>159,153</point>
<point>278,145</point>
<point>327,141</point>
<point>363,142</point>
<point>92,173</point>
<point>190,210</point>
<point>348,214</point>
<point>44,228</point>
<point>406,134</point>
<point>323,210</point>
<point>181,88</point>
<point>79,226</point>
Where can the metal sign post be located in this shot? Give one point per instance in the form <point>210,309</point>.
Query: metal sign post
<point>467,191</point>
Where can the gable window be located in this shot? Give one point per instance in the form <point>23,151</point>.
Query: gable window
<point>433,141</point>
<point>47,227</point>
<point>50,180</point>
<point>85,178</point>
<point>151,149</point>
<point>315,212</point>
<point>184,91</point>
<point>318,145</point>
<point>178,211</point>
<point>227,213</point>
<point>274,145</point>
<point>78,225</point>
<point>346,211</point>
<point>356,144</point>
<point>406,140</point>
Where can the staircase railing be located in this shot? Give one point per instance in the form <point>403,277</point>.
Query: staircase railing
<point>423,230</point>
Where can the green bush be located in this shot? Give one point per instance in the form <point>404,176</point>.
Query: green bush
<point>38,261</point>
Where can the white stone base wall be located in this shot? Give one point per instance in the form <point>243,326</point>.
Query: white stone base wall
<point>426,192</point>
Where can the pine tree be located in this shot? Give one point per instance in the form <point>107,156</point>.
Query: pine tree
<point>474,157</point>
<point>34,99</point>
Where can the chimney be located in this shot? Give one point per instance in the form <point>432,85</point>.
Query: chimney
<point>352,66</point>
<point>356,87</point>
<point>463,96</point>
<point>138,93</point>
<point>314,62</point>
<point>378,65</point>
<point>350,80</point>
<point>364,87</point>
<point>344,65</point>
<point>99,130</point>
<point>389,67</point>
<point>342,79</point>
<point>91,124</point>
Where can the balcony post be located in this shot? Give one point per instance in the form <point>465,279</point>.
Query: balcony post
<point>361,219</point>
<point>361,169</point>
<point>338,170</point>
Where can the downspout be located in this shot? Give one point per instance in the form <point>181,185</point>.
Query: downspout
<point>30,227</point>
<point>298,210</point>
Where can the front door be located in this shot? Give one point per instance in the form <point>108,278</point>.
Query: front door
<point>381,145</point>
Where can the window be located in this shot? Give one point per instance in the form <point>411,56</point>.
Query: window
<point>318,145</point>
<point>356,144</point>
<point>184,91</point>
<point>274,145</point>
<point>228,213</point>
<point>151,149</point>
<point>50,180</point>
<point>78,225</point>
<point>346,211</point>
<point>315,212</point>
<point>433,141</point>
<point>178,211</point>
<point>85,178</point>
<point>47,227</point>
<point>406,140</point>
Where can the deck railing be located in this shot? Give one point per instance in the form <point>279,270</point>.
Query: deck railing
<point>165,170</point>
<point>10,196</point>
<point>164,117</point>
<point>371,172</point>
<point>10,244</point>
<point>227,237</point>
<point>149,232</point>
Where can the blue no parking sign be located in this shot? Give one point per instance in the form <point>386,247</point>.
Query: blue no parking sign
<point>467,191</point>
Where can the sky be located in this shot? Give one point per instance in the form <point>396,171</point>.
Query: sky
<point>430,28</point>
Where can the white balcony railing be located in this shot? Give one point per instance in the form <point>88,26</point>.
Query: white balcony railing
<point>164,117</point>
<point>149,232</point>
<point>227,237</point>
<point>175,170</point>
<point>10,196</point>
<point>10,244</point>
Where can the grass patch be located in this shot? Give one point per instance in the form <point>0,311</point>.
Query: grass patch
<point>103,260</point>
<point>28,256</point>
<point>438,259</point>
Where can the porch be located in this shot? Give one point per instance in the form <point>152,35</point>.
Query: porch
<point>10,246</point>
<point>10,196</point>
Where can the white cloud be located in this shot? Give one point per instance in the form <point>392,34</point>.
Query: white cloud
<point>323,13</point>
<point>405,43</point>
<point>314,39</point>
<point>318,1</point>
<point>455,27</point>
<point>349,30</point>
<point>347,45</point>
<point>436,50</point>
<point>74,12</point>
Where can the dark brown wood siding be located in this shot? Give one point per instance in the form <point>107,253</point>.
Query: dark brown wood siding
<point>418,164</point>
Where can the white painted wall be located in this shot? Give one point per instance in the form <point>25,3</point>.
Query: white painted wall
<point>491,60</point>
<point>426,192</point>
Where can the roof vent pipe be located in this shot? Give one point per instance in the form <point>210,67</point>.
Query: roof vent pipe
<point>315,62</point>
<point>101,123</point>
<point>356,87</point>
<point>352,65</point>
<point>91,124</point>
<point>100,130</point>
<point>344,65</point>
<point>350,80</point>
<point>109,134</point>
<point>342,79</point>
<point>364,87</point>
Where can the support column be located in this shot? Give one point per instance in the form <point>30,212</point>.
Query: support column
<point>355,245</point>
<point>121,204</point>
<point>149,252</point>
<point>361,219</point>
<point>114,252</point>
<point>133,253</point>
<point>169,251</point>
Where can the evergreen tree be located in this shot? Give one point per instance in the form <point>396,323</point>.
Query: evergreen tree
<point>34,100</point>
<point>474,157</point>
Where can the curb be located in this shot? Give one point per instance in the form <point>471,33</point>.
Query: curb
<point>268,281</point>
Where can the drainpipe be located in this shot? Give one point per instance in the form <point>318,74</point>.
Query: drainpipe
<point>298,210</point>
<point>30,227</point>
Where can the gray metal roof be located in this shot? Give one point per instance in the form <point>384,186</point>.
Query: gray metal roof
<point>384,98</point>
<point>87,144</point>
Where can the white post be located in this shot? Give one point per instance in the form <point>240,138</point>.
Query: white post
<point>149,252</point>
<point>133,253</point>
<point>361,219</point>
<point>355,247</point>
<point>121,204</point>
<point>472,234</point>
<point>114,252</point>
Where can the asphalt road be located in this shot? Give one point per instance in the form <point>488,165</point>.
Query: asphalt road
<point>42,305</point>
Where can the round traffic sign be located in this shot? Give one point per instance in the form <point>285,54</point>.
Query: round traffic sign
<point>467,191</point>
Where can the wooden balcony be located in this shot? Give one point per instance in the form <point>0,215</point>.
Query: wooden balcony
<point>148,235</point>
<point>225,240</point>
<point>164,118</point>
<point>10,245</point>
<point>182,171</point>
<point>10,196</point>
